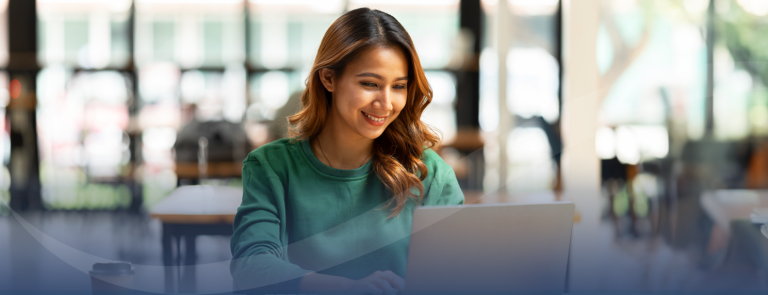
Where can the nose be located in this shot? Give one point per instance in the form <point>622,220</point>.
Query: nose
<point>383,101</point>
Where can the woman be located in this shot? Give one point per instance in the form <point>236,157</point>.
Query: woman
<point>330,209</point>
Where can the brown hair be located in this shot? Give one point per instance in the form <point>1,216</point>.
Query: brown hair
<point>397,152</point>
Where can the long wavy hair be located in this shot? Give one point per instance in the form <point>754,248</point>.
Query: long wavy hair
<point>397,153</point>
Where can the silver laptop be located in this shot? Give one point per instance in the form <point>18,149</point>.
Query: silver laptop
<point>521,247</point>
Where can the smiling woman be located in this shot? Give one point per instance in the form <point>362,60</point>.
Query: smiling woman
<point>365,71</point>
<point>372,90</point>
<point>314,216</point>
<point>370,94</point>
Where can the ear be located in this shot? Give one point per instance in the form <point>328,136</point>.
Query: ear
<point>327,78</point>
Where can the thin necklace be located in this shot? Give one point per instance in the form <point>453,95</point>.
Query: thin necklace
<point>329,161</point>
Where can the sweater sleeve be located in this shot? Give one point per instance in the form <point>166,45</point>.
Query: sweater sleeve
<point>445,189</point>
<point>259,258</point>
<point>451,193</point>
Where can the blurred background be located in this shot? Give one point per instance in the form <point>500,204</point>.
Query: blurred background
<point>651,116</point>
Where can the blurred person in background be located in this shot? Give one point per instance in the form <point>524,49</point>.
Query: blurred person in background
<point>330,208</point>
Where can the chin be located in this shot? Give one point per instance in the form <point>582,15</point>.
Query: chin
<point>371,134</point>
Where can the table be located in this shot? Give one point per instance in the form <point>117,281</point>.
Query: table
<point>466,139</point>
<point>190,211</point>
<point>191,170</point>
<point>730,209</point>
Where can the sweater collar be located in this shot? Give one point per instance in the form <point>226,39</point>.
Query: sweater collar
<point>325,169</point>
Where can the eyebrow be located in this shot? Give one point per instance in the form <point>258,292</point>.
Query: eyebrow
<point>367,74</point>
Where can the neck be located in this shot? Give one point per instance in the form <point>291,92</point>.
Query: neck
<point>341,151</point>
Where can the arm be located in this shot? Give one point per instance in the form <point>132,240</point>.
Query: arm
<point>258,242</point>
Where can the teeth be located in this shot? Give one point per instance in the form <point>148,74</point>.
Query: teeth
<point>373,118</point>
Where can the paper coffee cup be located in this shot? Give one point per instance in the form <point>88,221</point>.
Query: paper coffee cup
<point>112,278</point>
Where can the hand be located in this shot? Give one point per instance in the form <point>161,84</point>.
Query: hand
<point>379,282</point>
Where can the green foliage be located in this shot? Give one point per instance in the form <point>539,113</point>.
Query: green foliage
<point>91,196</point>
<point>621,202</point>
<point>746,37</point>
<point>640,203</point>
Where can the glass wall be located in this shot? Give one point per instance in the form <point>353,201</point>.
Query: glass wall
<point>190,58</point>
<point>84,93</point>
<point>88,35</point>
<point>532,96</point>
<point>652,61</point>
<point>740,73</point>
<point>82,119</point>
<point>283,38</point>
<point>140,83</point>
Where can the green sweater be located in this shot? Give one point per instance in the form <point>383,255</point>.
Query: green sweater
<point>299,215</point>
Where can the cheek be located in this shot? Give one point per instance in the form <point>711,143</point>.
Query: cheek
<point>357,101</point>
<point>348,100</point>
<point>399,103</point>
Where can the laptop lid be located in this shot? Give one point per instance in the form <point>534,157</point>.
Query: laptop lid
<point>490,247</point>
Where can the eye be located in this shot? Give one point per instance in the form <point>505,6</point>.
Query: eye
<point>399,86</point>
<point>368,84</point>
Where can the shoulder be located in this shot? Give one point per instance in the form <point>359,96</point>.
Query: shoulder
<point>437,169</point>
<point>434,162</point>
<point>273,158</point>
<point>273,152</point>
<point>442,187</point>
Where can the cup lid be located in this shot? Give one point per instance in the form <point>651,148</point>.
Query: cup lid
<point>112,269</point>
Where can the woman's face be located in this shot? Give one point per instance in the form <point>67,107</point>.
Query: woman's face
<point>370,92</point>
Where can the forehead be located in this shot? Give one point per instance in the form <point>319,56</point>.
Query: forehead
<point>388,62</point>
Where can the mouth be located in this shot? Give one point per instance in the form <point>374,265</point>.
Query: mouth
<point>374,119</point>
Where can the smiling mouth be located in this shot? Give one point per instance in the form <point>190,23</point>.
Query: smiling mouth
<point>375,119</point>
